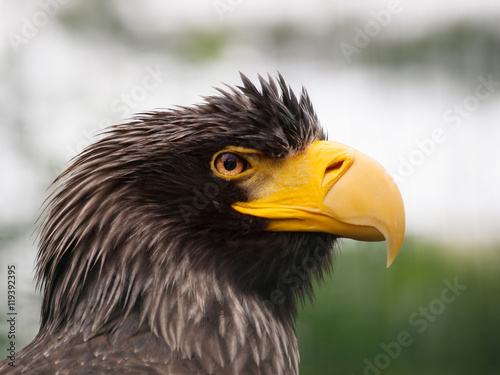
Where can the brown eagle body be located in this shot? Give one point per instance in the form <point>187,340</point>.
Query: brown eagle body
<point>146,267</point>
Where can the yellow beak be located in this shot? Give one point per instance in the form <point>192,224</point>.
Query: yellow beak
<point>328,188</point>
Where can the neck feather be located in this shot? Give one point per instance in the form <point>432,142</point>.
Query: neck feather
<point>201,317</point>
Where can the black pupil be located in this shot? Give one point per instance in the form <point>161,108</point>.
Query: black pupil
<point>230,163</point>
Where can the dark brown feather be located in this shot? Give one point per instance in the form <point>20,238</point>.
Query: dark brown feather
<point>145,267</point>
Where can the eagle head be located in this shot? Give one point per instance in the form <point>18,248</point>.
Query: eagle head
<point>184,239</point>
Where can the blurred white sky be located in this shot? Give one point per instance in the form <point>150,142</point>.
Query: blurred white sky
<point>417,13</point>
<point>163,14</point>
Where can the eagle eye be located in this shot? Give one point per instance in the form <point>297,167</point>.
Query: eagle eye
<point>229,164</point>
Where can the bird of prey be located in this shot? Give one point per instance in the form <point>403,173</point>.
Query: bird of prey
<point>171,245</point>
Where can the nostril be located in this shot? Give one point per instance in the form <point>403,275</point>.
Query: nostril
<point>334,166</point>
<point>333,172</point>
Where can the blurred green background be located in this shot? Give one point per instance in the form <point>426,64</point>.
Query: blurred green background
<point>69,69</point>
<point>363,307</point>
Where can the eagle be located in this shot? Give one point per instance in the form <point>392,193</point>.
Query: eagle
<point>183,241</point>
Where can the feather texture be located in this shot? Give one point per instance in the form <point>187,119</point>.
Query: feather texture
<point>145,268</point>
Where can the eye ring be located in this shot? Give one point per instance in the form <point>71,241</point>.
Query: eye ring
<point>230,164</point>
